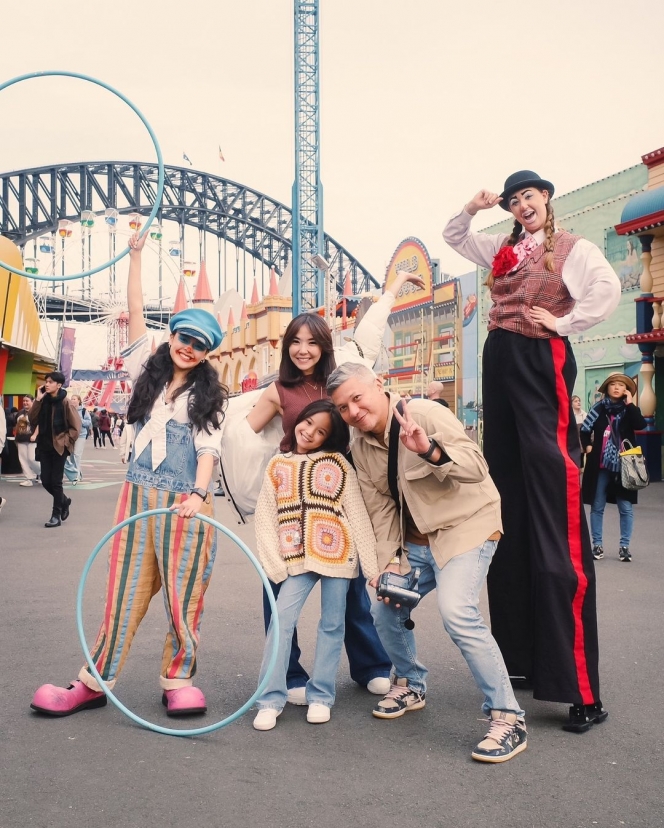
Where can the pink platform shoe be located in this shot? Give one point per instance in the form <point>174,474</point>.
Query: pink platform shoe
<point>63,701</point>
<point>185,701</point>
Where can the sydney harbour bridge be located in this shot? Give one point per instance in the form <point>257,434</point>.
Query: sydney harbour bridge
<point>40,206</point>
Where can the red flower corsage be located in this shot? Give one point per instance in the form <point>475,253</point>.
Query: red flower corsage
<point>504,261</point>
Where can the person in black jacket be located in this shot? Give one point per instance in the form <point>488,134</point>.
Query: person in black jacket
<point>610,421</point>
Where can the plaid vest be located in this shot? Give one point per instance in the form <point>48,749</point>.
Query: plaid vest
<point>530,285</point>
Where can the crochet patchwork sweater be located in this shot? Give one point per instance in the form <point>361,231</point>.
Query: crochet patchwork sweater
<point>310,517</point>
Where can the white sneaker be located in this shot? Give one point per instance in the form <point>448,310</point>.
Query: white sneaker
<point>297,695</point>
<point>26,483</point>
<point>379,686</point>
<point>318,714</point>
<point>3,500</point>
<point>266,718</point>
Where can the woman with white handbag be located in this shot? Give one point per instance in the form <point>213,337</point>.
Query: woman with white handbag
<point>610,422</point>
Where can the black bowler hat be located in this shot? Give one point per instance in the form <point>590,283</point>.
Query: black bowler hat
<point>519,181</point>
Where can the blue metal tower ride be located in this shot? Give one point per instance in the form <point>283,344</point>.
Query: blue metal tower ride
<point>308,238</point>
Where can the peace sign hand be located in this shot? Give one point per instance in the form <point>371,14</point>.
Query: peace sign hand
<point>412,435</point>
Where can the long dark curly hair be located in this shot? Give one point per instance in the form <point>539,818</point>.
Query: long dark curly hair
<point>206,402</point>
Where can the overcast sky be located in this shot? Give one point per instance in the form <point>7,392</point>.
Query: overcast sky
<point>423,102</point>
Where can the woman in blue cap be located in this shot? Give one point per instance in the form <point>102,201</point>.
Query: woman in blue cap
<point>545,284</point>
<point>176,409</point>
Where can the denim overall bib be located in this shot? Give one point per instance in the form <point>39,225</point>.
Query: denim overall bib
<point>177,471</point>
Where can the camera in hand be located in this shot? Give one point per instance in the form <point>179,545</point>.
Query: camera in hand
<point>400,589</point>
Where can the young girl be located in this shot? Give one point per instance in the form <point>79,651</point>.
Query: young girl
<point>311,525</point>
<point>176,409</point>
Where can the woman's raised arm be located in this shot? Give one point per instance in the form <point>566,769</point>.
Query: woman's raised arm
<point>137,326</point>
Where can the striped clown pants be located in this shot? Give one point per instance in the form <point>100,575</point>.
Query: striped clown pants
<point>163,552</point>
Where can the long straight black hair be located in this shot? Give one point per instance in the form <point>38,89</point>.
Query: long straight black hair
<point>339,437</point>
<point>207,399</point>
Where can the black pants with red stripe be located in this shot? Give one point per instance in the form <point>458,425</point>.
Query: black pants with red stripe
<point>541,581</point>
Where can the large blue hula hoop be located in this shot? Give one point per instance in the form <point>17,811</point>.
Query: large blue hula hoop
<point>169,731</point>
<point>160,182</point>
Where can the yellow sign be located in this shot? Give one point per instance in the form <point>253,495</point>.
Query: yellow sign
<point>411,255</point>
<point>445,293</point>
<point>19,320</point>
<point>443,372</point>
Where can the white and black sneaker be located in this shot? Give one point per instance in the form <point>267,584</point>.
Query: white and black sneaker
<point>624,554</point>
<point>3,500</point>
<point>598,553</point>
<point>507,736</point>
<point>400,699</point>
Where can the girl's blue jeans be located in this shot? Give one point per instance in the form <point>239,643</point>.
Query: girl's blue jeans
<point>294,591</point>
<point>625,509</point>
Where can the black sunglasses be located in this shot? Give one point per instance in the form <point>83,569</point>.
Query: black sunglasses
<point>196,344</point>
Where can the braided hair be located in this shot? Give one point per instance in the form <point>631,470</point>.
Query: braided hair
<point>549,229</point>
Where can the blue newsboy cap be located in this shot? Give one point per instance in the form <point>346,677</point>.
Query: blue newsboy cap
<point>199,324</point>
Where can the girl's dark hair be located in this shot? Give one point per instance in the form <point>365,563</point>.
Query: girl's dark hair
<point>339,432</point>
<point>206,402</point>
<point>289,374</point>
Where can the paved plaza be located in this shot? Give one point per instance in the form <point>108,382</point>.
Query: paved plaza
<point>99,769</point>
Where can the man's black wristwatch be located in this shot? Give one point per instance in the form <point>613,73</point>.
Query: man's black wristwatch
<point>433,445</point>
<point>200,492</point>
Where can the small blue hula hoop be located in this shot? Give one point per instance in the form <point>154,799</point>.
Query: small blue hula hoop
<point>160,182</point>
<point>169,731</point>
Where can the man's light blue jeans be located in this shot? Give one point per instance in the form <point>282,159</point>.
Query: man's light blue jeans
<point>294,591</point>
<point>457,586</point>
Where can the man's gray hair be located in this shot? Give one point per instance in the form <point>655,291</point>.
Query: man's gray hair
<point>346,371</point>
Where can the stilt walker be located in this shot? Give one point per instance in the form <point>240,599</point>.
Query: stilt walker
<point>545,284</point>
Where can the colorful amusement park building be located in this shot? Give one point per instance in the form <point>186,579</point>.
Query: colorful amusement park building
<point>425,327</point>
<point>249,354</point>
<point>21,367</point>
<point>643,217</point>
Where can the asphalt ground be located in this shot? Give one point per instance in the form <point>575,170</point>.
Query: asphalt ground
<point>99,769</point>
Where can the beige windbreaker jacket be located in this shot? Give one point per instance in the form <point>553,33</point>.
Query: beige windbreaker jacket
<point>456,505</point>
